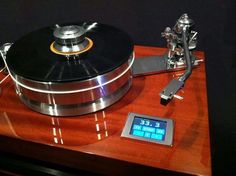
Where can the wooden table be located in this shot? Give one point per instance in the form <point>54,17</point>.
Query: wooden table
<point>92,142</point>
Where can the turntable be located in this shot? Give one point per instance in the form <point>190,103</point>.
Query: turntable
<point>106,88</point>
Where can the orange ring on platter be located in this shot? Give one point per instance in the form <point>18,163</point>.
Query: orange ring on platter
<point>54,50</point>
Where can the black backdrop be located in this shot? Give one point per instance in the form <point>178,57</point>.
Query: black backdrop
<point>144,21</point>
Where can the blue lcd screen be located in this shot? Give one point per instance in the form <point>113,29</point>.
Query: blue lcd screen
<point>148,128</point>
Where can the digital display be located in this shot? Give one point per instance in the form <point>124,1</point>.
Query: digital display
<point>148,128</point>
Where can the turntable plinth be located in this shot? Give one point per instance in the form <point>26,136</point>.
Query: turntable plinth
<point>92,142</point>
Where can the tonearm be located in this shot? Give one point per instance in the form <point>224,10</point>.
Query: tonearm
<point>181,41</point>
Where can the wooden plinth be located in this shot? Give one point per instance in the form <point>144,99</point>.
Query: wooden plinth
<point>92,142</point>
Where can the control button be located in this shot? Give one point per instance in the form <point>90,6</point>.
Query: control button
<point>156,136</point>
<point>149,129</point>
<point>147,135</point>
<point>137,127</point>
<point>160,131</point>
<point>138,133</point>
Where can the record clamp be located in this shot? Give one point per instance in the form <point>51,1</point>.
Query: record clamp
<point>70,40</point>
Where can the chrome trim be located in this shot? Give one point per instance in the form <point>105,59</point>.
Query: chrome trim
<point>78,97</point>
<point>78,108</point>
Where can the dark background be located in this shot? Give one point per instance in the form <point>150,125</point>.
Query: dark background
<point>144,21</point>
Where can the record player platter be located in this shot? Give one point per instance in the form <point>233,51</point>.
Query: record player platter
<point>71,69</point>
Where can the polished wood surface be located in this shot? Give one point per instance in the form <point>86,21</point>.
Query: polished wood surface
<point>93,142</point>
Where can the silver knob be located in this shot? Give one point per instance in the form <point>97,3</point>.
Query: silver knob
<point>184,19</point>
<point>69,35</point>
